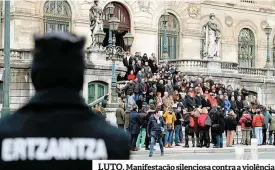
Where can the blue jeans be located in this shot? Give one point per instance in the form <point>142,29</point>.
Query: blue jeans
<point>177,133</point>
<point>136,97</point>
<point>259,134</point>
<point>253,133</point>
<point>219,139</point>
<point>168,137</point>
<point>152,144</point>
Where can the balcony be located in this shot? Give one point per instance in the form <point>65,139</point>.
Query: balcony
<point>227,69</point>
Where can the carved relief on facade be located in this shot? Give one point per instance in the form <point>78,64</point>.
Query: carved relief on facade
<point>228,21</point>
<point>193,10</point>
<point>263,25</point>
<point>144,5</point>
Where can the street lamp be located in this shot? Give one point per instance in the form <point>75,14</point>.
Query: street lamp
<point>99,36</point>
<point>6,87</point>
<point>114,52</point>
<point>165,44</point>
<point>128,39</point>
<point>111,9</point>
<point>268,30</point>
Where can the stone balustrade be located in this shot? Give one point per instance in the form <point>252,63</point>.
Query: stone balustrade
<point>253,71</point>
<point>18,55</point>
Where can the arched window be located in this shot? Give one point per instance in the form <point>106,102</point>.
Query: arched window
<point>246,51</point>
<point>96,90</point>
<point>172,32</point>
<point>124,26</point>
<point>57,16</point>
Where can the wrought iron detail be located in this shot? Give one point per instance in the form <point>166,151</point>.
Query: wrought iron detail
<point>114,52</point>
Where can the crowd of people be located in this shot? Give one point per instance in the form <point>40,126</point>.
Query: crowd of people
<point>158,102</point>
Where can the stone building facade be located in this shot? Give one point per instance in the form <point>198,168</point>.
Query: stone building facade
<point>241,23</point>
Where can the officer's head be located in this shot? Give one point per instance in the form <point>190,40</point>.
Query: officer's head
<point>58,62</point>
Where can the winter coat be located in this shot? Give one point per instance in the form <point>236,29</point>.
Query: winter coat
<point>272,123</point>
<point>267,119</point>
<point>135,123</point>
<point>227,105</point>
<point>120,116</point>
<point>243,119</point>
<point>154,128</point>
<point>169,118</point>
<point>258,120</point>
<point>231,122</point>
<point>218,118</point>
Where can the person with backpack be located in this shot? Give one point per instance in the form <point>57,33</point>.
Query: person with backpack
<point>204,123</point>
<point>246,125</point>
<point>257,123</point>
<point>231,125</point>
<point>188,123</point>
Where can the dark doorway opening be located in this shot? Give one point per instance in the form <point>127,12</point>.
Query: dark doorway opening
<point>119,38</point>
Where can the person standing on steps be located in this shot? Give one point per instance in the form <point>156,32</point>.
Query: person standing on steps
<point>155,129</point>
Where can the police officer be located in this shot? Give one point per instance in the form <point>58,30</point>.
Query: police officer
<point>56,129</point>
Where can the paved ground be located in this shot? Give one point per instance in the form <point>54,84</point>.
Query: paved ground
<point>180,150</point>
<point>201,156</point>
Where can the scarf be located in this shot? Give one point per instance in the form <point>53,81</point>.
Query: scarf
<point>157,118</point>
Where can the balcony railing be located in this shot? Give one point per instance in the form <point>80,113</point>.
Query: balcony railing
<point>20,55</point>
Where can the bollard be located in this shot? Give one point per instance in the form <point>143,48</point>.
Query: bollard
<point>254,149</point>
<point>239,153</point>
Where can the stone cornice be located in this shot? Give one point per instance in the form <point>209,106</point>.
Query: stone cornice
<point>238,8</point>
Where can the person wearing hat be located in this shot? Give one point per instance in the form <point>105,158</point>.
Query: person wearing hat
<point>56,129</point>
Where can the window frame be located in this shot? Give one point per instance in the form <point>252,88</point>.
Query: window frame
<point>52,18</point>
<point>171,33</point>
<point>96,85</point>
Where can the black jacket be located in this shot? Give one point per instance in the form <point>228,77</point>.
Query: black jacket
<point>154,128</point>
<point>59,117</point>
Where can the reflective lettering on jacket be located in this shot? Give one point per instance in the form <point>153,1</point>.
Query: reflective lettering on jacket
<point>14,149</point>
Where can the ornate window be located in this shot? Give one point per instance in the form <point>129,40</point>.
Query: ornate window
<point>96,90</point>
<point>246,48</point>
<point>57,16</point>
<point>172,32</point>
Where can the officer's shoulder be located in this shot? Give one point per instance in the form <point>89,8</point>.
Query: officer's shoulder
<point>106,130</point>
<point>10,122</point>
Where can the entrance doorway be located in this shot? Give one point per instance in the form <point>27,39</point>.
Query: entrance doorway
<point>124,26</point>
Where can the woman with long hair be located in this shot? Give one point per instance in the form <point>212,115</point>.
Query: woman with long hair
<point>231,125</point>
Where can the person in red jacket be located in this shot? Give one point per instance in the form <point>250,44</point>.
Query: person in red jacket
<point>257,123</point>
<point>246,125</point>
<point>131,76</point>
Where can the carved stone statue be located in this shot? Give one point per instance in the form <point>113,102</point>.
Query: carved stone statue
<point>96,20</point>
<point>212,39</point>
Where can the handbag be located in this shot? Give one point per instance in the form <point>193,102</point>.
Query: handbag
<point>169,127</point>
<point>208,121</point>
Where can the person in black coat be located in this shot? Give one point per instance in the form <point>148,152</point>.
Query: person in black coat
<point>150,112</point>
<point>191,103</point>
<point>218,127</point>
<point>56,129</point>
<point>155,129</point>
<point>206,103</point>
<point>134,128</point>
<point>198,100</point>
